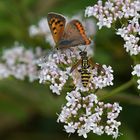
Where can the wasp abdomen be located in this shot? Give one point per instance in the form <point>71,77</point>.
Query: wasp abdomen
<point>85,76</point>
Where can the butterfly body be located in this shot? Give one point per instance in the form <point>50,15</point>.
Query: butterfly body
<point>67,35</point>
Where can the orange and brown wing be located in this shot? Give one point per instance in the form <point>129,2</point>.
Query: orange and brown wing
<point>57,24</point>
<point>74,35</point>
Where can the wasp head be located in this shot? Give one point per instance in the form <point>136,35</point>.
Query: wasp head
<point>83,54</point>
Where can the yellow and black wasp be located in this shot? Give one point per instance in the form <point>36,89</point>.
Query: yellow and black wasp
<point>86,63</point>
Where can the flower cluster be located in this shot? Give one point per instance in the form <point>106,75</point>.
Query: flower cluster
<point>84,114</point>
<point>110,11</point>
<point>130,34</point>
<point>55,68</point>
<point>125,11</point>
<point>104,79</point>
<point>19,63</point>
<point>136,72</point>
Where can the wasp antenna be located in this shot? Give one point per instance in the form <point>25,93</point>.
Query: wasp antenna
<point>85,48</point>
<point>79,49</point>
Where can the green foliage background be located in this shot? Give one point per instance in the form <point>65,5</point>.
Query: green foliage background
<point>28,110</point>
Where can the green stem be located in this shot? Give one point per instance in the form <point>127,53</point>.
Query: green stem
<point>127,98</point>
<point>117,90</point>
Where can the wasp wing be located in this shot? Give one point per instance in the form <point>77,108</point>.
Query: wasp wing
<point>75,66</point>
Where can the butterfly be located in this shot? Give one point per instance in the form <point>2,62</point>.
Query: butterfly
<point>67,35</point>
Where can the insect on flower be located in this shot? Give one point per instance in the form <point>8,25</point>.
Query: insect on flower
<point>85,64</point>
<point>71,35</point>
<point>86,69</point>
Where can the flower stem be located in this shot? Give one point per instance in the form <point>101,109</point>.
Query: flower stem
<point>117,90</point>
<point>127,98</point>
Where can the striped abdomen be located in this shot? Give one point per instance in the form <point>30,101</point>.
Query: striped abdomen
<point>85,76</point>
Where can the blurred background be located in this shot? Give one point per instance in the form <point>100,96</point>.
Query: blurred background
<point>28,111</point>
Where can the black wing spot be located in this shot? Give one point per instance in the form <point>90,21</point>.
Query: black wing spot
<point>54,28</point>
<point>52,21</point>
<point>61,25</point>
<point>58,21</point>
<point>55,23</point>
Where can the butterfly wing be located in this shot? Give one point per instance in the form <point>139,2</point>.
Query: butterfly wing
<point>74,35</point>
<point>57,24</point>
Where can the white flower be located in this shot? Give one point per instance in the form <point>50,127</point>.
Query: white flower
<point>43,25</point>
<point>101,22</point>
<point>109,5</point>
<point>42,29</point>
<point>19,63</point>
<point>33,30</point>
<point>55,88</point>
<point>134,49</point>
<point>4,72</point>
<point>138,84</point>
<point>136,70</point>
<point>83,132</point>
<point>98,130</point>
<point>89,11</point>
<point>70,128</point>
<point>71,98</point>
<point>109,21</point>
<point>122,31</point>
<point>90,28</point>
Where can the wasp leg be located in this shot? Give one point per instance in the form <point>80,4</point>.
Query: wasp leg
<point>76,65</point>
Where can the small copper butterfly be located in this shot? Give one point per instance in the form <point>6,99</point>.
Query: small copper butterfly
<point>71,35</point>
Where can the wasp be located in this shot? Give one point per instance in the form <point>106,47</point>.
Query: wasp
<point>86,63</point>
